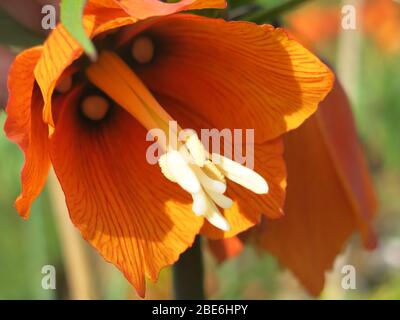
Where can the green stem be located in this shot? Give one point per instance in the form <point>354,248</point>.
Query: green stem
<point>271,14</point>
<point>188,274</point>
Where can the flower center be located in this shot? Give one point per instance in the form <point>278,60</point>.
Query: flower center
<point>186,163</point>
<point>143,49</point>
<point>95,107</point>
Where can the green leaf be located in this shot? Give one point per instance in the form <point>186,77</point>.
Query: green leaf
<point>71,18</point>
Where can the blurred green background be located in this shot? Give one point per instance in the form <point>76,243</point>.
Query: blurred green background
<point>373,85</point>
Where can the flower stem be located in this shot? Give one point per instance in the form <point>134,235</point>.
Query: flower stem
<point>188,274</point>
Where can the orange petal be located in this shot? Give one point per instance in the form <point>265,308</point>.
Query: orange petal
<point>25,127</point>
<point>237,74</point>
<point>329,194</point>
<point>226,248</point>
<point>248,207</point>
<point>103,3</point>
<point>20,86</point>
<point>338,128</point>
<point>122,205</point>
<point>144,9</point>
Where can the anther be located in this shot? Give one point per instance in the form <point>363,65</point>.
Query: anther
<point>64,85</point>
<point>143,49</point>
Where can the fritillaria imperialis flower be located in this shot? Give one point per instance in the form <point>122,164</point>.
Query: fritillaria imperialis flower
<point>89,121</point>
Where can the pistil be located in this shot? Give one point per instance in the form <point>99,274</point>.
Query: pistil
<point>115,78</point>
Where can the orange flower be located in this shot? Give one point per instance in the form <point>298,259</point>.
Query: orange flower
<point>304,25</point>
<point>379,19</point>
<point>329,196</point>
<point>90,120</point>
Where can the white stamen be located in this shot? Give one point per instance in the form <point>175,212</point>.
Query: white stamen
<point>180,170</point>
<point>208,183</point>
<point>220,199</point>
<point>213,216</point>
<point>199,206</point>
<point>203,176</point>
<point>241,174</point>
<point>164,168</point>
<point>196,149</point>
<point>143,49</point>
